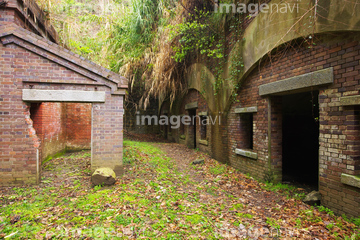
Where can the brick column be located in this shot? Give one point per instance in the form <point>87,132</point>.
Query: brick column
<point>107,134</point>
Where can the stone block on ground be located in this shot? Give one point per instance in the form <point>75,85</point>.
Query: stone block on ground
<point>103,176</point>
<point>313,198</point>
<point>198,161</point>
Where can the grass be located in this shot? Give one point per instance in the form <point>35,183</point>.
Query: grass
<point>285,189</point>
<point>153,200</point>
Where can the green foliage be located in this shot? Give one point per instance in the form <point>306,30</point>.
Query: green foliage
<point>289,190</point>
<point>85,26</point>
<point>195,36</point>
<point>325,209</point>
<point>274,223</point>
<point>218,169</point>
<point>136,32</point>
<point>202,33</point>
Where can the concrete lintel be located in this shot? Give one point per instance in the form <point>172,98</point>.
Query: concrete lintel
<point>246,153</point>
<point>203,113</point>
<point>351,100</point>
<point>35,95</point>
<point>191,105</point>
<point>350,180</point>
<point>119,92</point>
<point>321,77</point>
<point>246,110</point>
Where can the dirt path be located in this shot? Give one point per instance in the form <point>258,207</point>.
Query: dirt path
<point>160,196</point>
<point>263,213</point>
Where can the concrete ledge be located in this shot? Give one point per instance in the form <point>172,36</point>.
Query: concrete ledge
<point>191,105</point>
<point>203,113</point>
<point>350,180</point>
<point>246,110</point>
<point>325,76</point>
<point>34,95</point>
<point>119,92</point>
<point>351,100</point>
<point>204,142</point>
<point>246,153</point>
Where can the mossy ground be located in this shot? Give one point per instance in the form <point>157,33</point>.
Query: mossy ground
<point>161,196</point>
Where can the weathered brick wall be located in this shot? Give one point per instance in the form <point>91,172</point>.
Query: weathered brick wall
<point>28,15</point>
<point>195,96</point>
<point>339,126</point>
<point>107,133</point>
<point>62,126</point>
<point>18,142</point>
<point>78,125</point>
<point>25,67</point>
<point>49,126</point>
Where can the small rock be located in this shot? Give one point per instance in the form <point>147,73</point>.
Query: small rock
<point>313,198</point>
<point>15,219</point>
<point>103,176</point>
<point>241,226</point>
<point>198,161</point>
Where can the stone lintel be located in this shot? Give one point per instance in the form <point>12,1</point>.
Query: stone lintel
<point>203,113</point>
<point>351,100</point>
<point>246,110</point>
<point>35,95</point>
<point>191,105</point>
<point>302,82</point>
<point>246,153</point>
<point>350,180</point>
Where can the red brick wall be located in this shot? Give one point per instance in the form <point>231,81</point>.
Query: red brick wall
<point>17,141</point>
<point>78,125</point>
<point>62,126</point>
<point>49,126</point>
<point>339,126</point>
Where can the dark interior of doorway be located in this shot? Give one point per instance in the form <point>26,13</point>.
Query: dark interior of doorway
<point>300,131</point>
<point>192,130</point>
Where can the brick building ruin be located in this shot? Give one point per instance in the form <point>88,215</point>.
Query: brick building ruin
<point>296,116</point>
<point>52,99</point>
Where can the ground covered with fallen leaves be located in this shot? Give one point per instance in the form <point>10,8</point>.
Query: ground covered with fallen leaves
<point>162,196</point>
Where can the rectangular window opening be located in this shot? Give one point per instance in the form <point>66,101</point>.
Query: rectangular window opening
<point>203,128</point>
<point>246,131</point>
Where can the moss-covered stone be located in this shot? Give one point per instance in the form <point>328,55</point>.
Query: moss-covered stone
<point>103,176</point>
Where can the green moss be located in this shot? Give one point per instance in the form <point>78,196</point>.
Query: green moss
<point>56,155</point>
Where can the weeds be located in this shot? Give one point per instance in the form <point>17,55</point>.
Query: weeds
<point>153,200</point>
